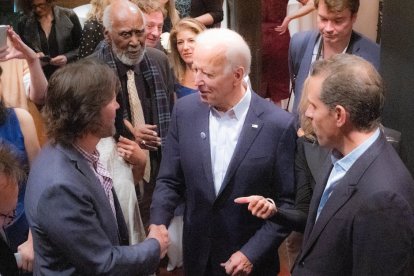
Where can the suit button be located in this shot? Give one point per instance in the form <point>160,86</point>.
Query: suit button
<point>302,264</point>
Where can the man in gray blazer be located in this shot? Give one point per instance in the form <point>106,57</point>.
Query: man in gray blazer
<point>335,36</point>
<point>361,216</point>
<point>75,217</point>
<point>225,142</point>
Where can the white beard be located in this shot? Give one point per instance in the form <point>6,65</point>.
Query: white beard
<point>123,56</point>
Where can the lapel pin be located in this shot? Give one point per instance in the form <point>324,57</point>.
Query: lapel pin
<point>254,126</point>
<point>203,135</point>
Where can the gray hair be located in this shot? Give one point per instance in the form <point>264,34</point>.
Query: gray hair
<point>237,51</point>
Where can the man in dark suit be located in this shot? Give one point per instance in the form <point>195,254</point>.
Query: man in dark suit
<point>74,215</point>
<point>225,142</point>
<point>335,36</point>
<point>361,216</point>
<point>10,176</point>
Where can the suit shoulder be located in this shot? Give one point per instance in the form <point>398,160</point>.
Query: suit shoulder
<point>156,54</point>
<point>272,112</point>
<point>367,49</point>
<point>189,103</point>
<point>65,11</point>
<point>302,37</point>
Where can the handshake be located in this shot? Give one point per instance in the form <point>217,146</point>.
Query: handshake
<point>160,233</point>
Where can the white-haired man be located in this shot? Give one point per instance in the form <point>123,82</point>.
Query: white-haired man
<point>225,142</point>
<point>146,92</point>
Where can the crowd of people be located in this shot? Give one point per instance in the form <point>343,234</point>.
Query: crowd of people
<point>122,112</point>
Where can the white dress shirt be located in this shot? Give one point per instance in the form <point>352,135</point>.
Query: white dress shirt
<point>225,128</point>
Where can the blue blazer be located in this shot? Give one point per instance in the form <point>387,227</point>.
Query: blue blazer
<point>300,56</point>
<point>214,226</point>
<point>367,225</point>
<point>74,229</point>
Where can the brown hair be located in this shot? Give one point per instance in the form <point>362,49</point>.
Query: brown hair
<point>76,94</point>
<point>340,5</point>
<point>353,83</point>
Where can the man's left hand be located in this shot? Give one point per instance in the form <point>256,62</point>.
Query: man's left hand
<point>238,264</point>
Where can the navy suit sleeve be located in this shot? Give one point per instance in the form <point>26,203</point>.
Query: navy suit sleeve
<point>170,181</point>
<point>382,236</point>
<point>74,228</point>
<point>271,235</point>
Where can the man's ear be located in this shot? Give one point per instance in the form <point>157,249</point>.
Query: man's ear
<point>354,17</point>
<point>239,74</point>
<point>107,36</point>
<point>342,116</point>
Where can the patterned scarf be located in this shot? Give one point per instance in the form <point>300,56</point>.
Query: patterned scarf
<point>154,81</point>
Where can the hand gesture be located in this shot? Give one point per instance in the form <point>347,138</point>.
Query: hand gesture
<point>259,206</point>
<point>281,29</point>
<point>238,264</point>
<point>160,233</point>
<point>59,60</point>
<point>145,135</point>
<point>17,49</point>
<point>130,151</point>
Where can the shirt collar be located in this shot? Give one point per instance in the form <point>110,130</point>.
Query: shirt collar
<point>90,157</point>
<point>239,109</point>
<point>348,160</point>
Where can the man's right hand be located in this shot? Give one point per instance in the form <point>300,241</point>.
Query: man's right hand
<point>160,233</point>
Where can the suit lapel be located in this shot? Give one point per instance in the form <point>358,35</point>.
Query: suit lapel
<point>353,48</point>
<point>203,136</point>
<point>251,128</point>
<point>320,180</point>
<point>307,57</point>
<point>340,195</point>
<point>82,166</point>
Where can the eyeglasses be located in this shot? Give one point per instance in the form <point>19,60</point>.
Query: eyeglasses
<point>8,218</point>
<point>41,5</point>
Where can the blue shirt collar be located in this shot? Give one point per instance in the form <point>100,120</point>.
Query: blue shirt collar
<point>348,160</point>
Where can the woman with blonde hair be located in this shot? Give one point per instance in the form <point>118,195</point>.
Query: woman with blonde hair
<point>93,30</point>
<point>182,40</point>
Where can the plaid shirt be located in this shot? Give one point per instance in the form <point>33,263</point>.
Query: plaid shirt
<point>101,172</point>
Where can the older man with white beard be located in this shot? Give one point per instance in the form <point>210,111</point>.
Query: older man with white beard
<point>145,96</point>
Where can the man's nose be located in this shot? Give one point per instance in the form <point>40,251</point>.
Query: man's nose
<point>329,27</point>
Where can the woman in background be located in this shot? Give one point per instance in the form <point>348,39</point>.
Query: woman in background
<point>52,32</point>
<point>308,7</point>
<point>17,130</point>
<point>208,12</point>
<point>275,77</point>
<point>182,40</point>
<point>93,30</point>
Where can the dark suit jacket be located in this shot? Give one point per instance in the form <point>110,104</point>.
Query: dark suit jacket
<point>8,265</point>
<point>367,225</point>
<point>300,56</point>
<point>74,229</point>
<point>214,226</point>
